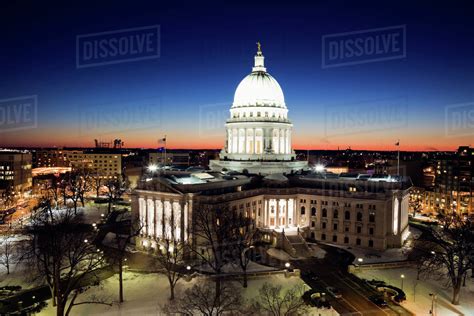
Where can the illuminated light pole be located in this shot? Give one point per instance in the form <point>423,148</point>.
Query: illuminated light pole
<point>433,298</point>
<point>360,260</point>
<point>402,277</point>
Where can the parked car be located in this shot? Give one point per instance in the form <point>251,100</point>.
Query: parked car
<point>378,300</point>
<point>319,300</point>
<point>334,292</point>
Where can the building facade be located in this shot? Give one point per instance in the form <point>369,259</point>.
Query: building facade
<point>352,213</point>
<point>15,171</point>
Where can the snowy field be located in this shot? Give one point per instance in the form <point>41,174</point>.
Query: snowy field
<point>145,294</point>
<point>417,292</point>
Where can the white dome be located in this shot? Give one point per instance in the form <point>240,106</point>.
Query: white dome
<point>259,89</point>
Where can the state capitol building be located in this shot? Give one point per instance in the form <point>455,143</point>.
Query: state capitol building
<point>258,176</point>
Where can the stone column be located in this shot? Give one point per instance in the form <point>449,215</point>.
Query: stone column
<point>245,141</point>
<point>254,141</point>
<point>163,219</point>
<point>277,212</point>
<point>266,217</point>
<point>146,217</point>
<point>155,212</point>
<point>181,220</point>
<point>286,213</point>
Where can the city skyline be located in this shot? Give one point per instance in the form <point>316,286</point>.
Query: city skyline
<point>186,92</point>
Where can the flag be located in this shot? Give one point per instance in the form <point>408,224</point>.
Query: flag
<point>397,143</point>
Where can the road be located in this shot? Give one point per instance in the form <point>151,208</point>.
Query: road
<point>332,271</point>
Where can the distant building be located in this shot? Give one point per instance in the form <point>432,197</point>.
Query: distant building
<point>15,171</point>
<point>52,157</point>
<point>172,158</point>
<point>106,164</point>
<point>453,183</point>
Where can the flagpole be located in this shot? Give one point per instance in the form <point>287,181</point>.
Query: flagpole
<point>165,151</point>
<point>398,158</point>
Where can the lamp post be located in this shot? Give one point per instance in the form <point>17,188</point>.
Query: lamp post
<point>287,266</point>
<point>402,277</point>
<point>433,298</point>
<point>360,260</point>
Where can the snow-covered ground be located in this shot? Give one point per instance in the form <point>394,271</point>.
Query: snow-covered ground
<point>145,294</point>
<point>417,292</point>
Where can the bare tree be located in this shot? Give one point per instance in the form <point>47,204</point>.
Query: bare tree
<point>202,300</point>
<point>7,251</point>
<point>65,256</point>
<point>119,253</point>
<point>170,255</point>
<point>75,186</point>
<point>448,250</point>
<point>213,224</point>
<point>8,197</point>
<point>97,179</point>
<point>115,189</point>
<point>272,300</point>
<point>242,236</point>
<point>54,191</point>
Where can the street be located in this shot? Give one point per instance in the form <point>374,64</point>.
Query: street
<point>332,271</point>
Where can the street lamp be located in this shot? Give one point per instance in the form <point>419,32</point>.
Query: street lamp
<point>152,168</point>
<point>402,277</point>
<point>433,298</point>
<point>188,268</point>
<point>360,260</point>
<point>287,265</point>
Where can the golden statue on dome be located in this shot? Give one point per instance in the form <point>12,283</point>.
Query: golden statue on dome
<point>259,48</point>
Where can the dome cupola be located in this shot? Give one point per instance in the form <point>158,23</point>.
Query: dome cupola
<point>259,88</point>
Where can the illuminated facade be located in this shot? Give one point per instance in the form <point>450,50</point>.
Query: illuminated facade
<point>372,214</point>
<point>258,176</point>
<point>258,131</point>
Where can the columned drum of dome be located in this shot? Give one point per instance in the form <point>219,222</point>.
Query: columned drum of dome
<point>258,131</point>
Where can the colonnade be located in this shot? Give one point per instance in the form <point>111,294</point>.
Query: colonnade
<point>164,218</point>
<point>256,140</point>
<point>278,213</point>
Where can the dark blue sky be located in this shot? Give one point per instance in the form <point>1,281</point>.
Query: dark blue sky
<point>208,47</point>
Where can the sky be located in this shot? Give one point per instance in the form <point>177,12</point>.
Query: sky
<point>422,96</point>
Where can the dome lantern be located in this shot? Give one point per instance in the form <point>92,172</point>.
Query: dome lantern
<point>259,60</point>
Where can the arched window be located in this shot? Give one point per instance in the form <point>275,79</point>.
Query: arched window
<point>372,217</point>
<point>359,216</point>
<point>347,215</point>
<point>313,211</point>
<point>336,214</point>
<point>325,212</point>
<point>303,210</point>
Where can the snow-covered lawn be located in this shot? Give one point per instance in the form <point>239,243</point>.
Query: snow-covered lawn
<point>417,292</point>
<point>145,294</point>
